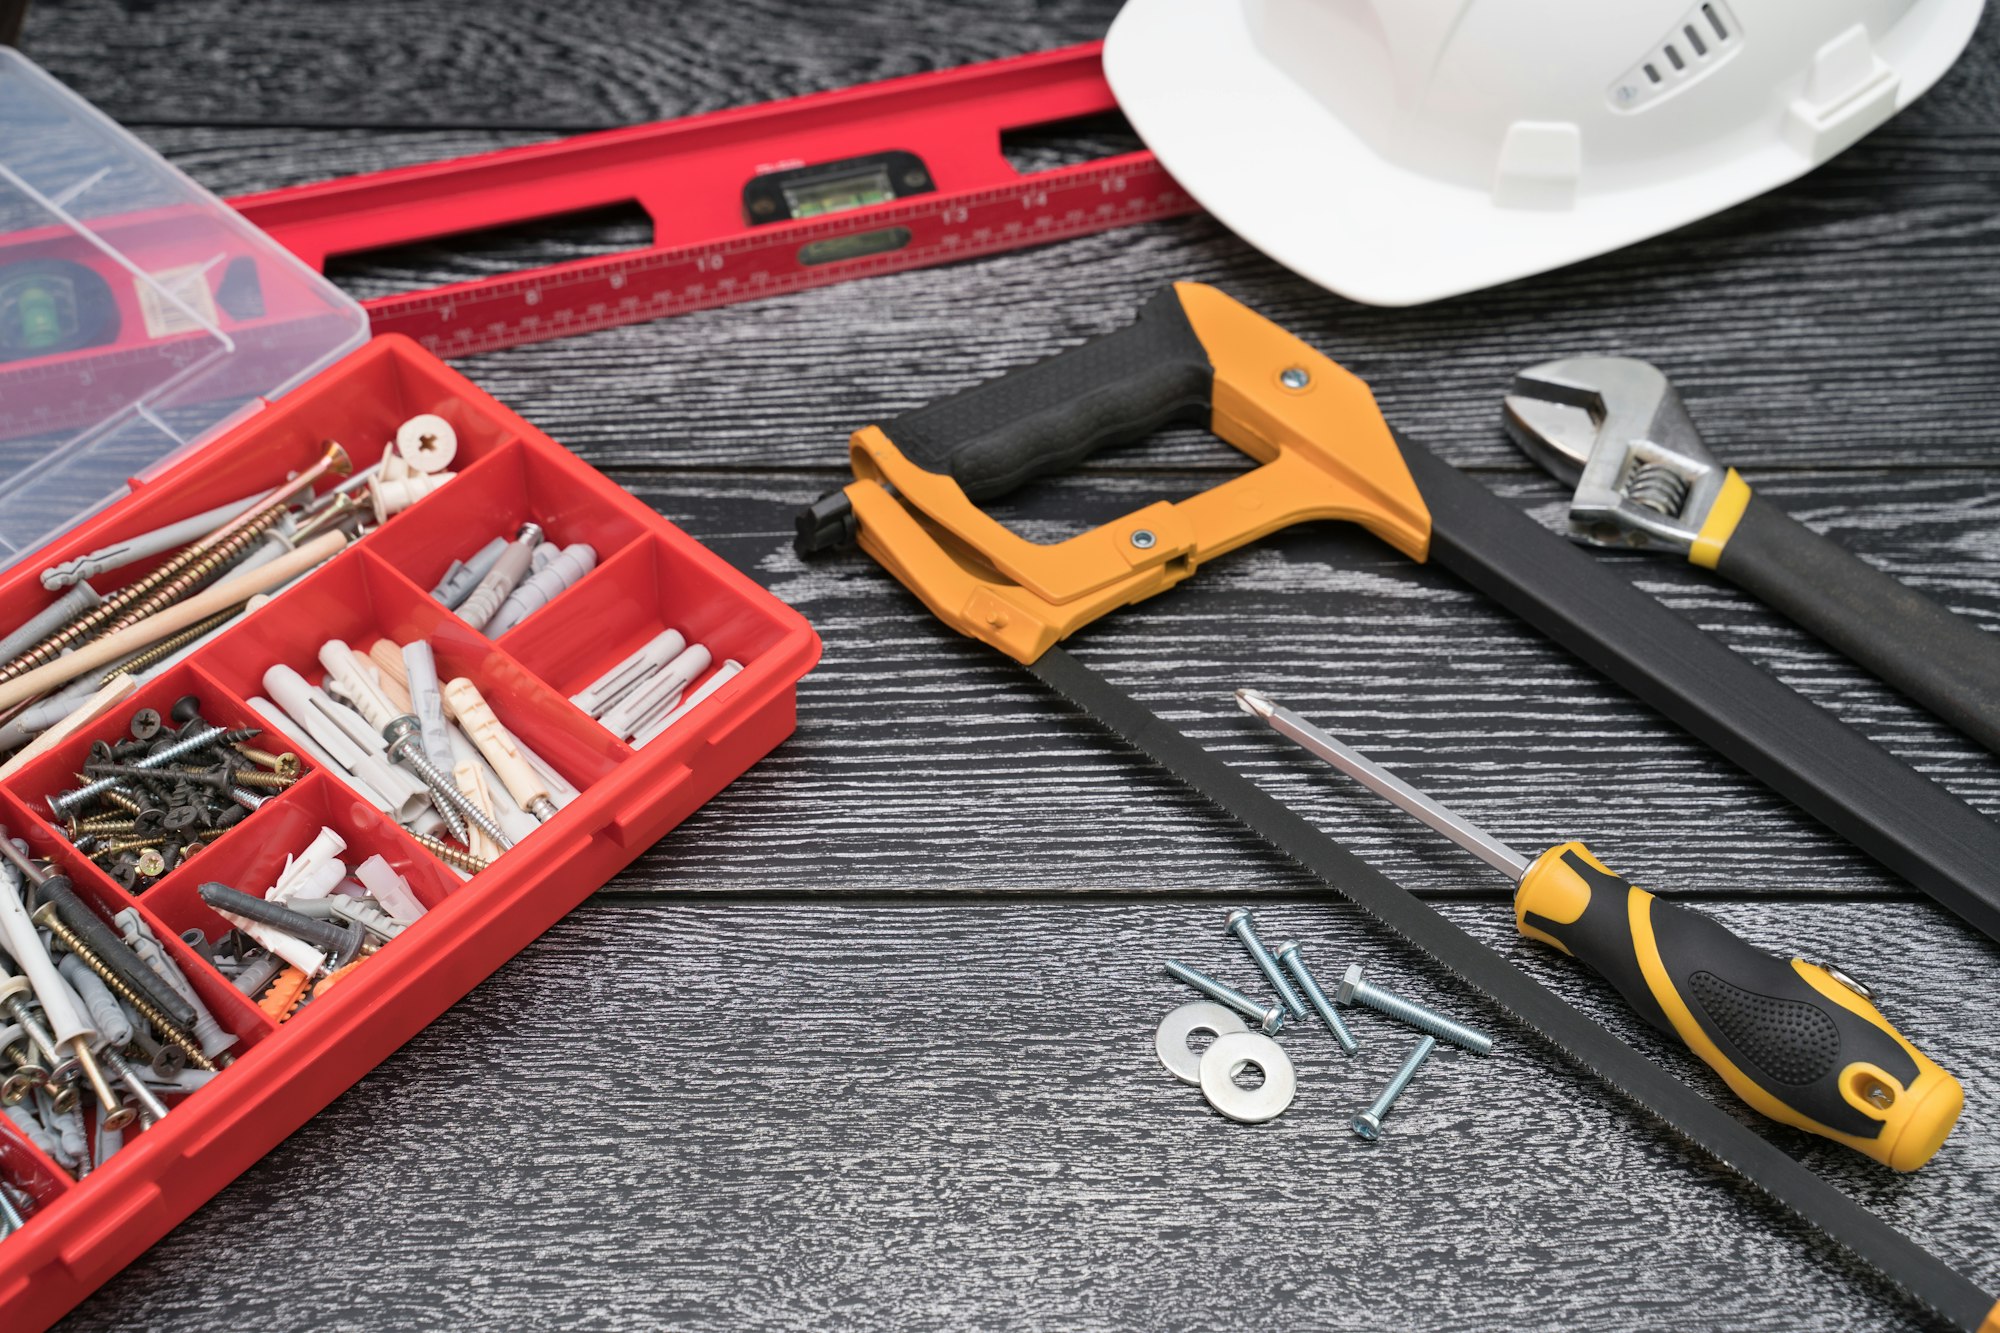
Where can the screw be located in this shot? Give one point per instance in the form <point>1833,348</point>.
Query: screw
<point>145,724</point>
<point>1369,1123</point>
<point>1294,377</point>
<point>1268,1020</point>
<point>1288,954</point>
<point>1144,539</point>
<point>145,1007</point>
<point>151,1108</point>
<point>1244,928</point>
<point>258,778</point>
<point>450,855</point>
<point>1353,990</point>
<point>62,900</point>
<point>405,739</point>
<point>201,740</point>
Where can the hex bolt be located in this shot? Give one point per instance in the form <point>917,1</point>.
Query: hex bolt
<point>1288,955</point>
<point>210,736</point>
<point>1244,928</point>
<point>1353,990</point>
<point>404,736</point>
<point>1369,1123</point>
<point>1268,1021</point>
<point>342,943</point>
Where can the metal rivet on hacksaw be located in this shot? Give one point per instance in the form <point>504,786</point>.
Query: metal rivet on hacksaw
<point>1144,539</point>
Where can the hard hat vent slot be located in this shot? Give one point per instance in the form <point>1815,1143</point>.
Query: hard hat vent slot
<point>1702,41</point>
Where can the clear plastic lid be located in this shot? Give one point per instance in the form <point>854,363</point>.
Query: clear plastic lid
<point>138,312</point>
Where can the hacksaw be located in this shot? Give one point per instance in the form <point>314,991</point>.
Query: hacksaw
<point>1324,452</point>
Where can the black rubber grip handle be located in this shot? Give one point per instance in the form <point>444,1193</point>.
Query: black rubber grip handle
<point>1942,660</point>
<point>1046,418</point>
<point>1793,1043</point>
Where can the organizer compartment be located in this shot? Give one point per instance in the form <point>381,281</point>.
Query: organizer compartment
<point>649,576</point>
<point>56,770</point>
<point>523,483</point>
<point>664,582</point>
<point>361,598</point>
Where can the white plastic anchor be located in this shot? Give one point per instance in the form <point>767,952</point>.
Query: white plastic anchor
<point>476,716</point>
<point>729,668</point>
<point>557,576</point>
<point>427,442</point>
<point>394,496</point>
<point>656,698</point>
<point>502,579</point>
<point>462,576</point>
<point>313,872</point>
<point>346,738</point>
<point>137,547</point>
<point>356,685</point>
<point>598,697</point>
<point>390,889</point>
<point>515,822</point>
<point>427,701</point>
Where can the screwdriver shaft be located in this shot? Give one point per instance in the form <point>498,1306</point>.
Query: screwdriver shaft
<point>1385,784</point>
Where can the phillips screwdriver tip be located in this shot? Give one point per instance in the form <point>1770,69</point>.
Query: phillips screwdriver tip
<point>1255,703</point>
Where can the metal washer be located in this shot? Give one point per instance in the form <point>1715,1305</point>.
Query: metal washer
<point>1252,1106</point>
<point>1171,1041</point>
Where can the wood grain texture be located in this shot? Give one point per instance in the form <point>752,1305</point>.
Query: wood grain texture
<point>737,1117</point>
<point>866,1043</point>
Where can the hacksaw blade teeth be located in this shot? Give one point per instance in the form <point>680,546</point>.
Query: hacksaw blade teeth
<point>1924,1277</point>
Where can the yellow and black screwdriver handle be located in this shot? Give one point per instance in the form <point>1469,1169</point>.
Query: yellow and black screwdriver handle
<point>1794,1039</point>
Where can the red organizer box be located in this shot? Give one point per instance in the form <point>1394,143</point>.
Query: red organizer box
<point>650,576</point>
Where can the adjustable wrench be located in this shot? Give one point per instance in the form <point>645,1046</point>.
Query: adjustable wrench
<point>1616,427</point>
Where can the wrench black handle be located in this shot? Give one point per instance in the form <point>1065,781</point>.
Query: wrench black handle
<point>1939,659</point>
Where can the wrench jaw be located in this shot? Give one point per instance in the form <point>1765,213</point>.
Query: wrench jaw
<point>1616,427</point>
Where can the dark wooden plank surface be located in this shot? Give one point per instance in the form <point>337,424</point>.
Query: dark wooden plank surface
<point>866,1043</point>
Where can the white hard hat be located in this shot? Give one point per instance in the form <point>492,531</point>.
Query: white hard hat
<point>1397,151</point>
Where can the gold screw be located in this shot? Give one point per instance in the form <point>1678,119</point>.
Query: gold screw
<point>46,916</point>
<point>256,778</point>
<point>450,855</point>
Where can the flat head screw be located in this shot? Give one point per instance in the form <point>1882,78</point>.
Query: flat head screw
<point>1244,928</point>
<point>1268,1021</point>
<point>1353,990</point>
<point>1288,957</point>
<point>1369,1123</point>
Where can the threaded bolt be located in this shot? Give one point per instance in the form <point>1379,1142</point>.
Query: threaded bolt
<point>1369,1123</point>
<point>1268,1021</point>
<point>1244,928</point>
<point>1288,956</point>
<point>405,744</point>
<point>457,857</point>
<point>1353,990</point>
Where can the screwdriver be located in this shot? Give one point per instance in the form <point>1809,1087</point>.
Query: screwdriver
<point>1801,1042</point>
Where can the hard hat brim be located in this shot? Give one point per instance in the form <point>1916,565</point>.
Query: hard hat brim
<point>1275,166</point>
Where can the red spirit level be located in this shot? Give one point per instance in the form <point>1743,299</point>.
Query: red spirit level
<point>744,203</point>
